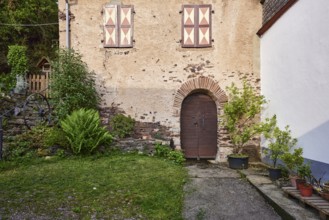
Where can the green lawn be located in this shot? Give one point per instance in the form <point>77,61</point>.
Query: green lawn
<point>113,187</point>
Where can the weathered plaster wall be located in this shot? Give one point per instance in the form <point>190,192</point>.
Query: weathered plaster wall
<point>294,67</point>
<point>143,81</point>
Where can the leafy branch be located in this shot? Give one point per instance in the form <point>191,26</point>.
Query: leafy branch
<point>241,116</point>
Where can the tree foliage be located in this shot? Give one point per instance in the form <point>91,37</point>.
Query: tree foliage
<point>72,86</point>
<point>38,39</point>
<point>241,115</point>
<point>293,159</point>
<point>281,142</point>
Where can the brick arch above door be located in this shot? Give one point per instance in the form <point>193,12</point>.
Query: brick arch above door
<point>200,83</point>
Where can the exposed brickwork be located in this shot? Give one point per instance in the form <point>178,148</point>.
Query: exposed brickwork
<point>140,145</point>
<point>106,113</point>
<point>149,130</point>
<point>203,83</point>
<point>271,7</point>
<point>143,130</point>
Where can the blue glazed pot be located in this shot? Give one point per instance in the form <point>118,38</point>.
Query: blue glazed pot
<point>238,162</point>
<point>274,173</point>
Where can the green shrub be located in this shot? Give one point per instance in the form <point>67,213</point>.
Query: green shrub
<point>18,149</point>
<point>281,142</point>
<point>122,126</point>
<point>35,137</point>
<point>166,152</point>
<point>293,159</point>
<point>56,136</point>
<point>162,150</point>
<point>72,85</point>
<point>28,143</point>
<point>84,132</point>
<point>176,156</point>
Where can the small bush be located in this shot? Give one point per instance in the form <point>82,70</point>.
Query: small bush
<point>35,136</point>
<point>84,132</point>
<point>162,150</point>
<point>176,156</point>
<point>166,152</point>
<point>28,143</point>
<point>122,126</point>
<point>56,137</point>
<point>18,149</point>
<point>72,85</point>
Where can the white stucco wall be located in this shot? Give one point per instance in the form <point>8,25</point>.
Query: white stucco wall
<point>295,75</point>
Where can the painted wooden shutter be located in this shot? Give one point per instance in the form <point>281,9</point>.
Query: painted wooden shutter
<point>204,26</point>
<point>188,32</point>
<point>118,25</point>
<point>196,26</point>
<point>126,26</point>
<point>110,15</point>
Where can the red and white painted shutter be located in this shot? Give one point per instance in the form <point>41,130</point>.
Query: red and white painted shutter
<point>196,26</point>
<point>126,26</point>
<point>118,25</point>
<point>204,26</point>
<point>110,16</point>
<point>188,26</point>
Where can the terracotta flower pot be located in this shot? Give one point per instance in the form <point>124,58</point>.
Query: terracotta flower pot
<point>299,182</point>
<point>293,180</point>
<point>306,190</point>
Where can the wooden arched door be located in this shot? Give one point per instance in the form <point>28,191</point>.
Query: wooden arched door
<point>199,126</point>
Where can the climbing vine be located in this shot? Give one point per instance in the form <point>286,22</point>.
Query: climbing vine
<point>17,59</point>
<point>18,62</point>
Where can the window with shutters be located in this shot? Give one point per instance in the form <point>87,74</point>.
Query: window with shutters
<point>118,25</point>
<point>196,26</point>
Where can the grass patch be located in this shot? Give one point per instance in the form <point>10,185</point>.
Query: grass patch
<point>115,187</point>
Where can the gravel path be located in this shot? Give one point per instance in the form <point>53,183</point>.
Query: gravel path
<point>217,193</point>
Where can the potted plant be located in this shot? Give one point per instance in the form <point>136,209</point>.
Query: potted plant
<point>241,118</point>
<point>305,187</point>
<point>280,143</point>
<point>293,160</point>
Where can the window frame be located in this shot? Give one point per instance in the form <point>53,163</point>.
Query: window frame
<point>196,26</point>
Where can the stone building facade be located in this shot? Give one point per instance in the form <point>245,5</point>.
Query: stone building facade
<point>148,65</point>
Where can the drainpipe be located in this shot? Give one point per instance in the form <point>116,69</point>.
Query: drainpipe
<point>67,24</point>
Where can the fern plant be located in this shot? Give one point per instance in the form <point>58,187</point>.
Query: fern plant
<point>84,132</point>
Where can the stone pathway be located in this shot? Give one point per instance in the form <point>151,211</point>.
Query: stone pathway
<point>289,208</point>
<point>219,193</point>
